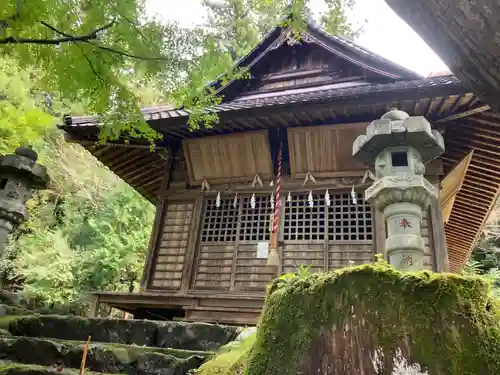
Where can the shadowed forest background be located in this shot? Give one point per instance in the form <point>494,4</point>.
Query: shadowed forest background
<point>89,231</point>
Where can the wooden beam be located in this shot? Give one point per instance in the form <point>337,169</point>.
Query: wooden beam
<point>464,114</point>
<point>159,215</point>
<point>463,34</point>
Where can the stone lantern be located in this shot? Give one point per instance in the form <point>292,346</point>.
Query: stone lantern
<point>20,174</point>
<point>399,146</point>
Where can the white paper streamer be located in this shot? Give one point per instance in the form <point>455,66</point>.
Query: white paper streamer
<point>271,200</point>
<point>353,196</point>
<point>327,198</point>
<point>310,199</point>
<point>252,201</point>
<point>235,201</point>
<point>217,200</point>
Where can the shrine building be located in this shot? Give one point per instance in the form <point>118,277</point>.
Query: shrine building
<point>297,117</point>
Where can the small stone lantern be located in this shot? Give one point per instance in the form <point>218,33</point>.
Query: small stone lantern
<point>399,146</point>
<point>20,174</point>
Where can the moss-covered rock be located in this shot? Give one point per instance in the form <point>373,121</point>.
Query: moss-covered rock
<point>140,332</point>
<point>190,336</point>
<point>101,357</point>
<point>193,336</point>
<point>12,368</point>
<point>13,310</point>
<point>374,320</point>
<point>231,359</point>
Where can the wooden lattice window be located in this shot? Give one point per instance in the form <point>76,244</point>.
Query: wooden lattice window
<point>220,224</point>
<point>302,222</point>
<point>348,221</point>
<point>255,222</point>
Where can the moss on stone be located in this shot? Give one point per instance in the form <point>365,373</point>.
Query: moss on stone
<point>100,357</point>
<point>165,334</point>
<point>449,322</point>
<point>230,359</point>
<point>132,351</point>
<point>13,368</point>
<point>4,332</point>
<point>7,319</point>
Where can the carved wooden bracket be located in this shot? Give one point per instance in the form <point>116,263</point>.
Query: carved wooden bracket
<point>257,181</point>
<point>205,186</point>
<point>309,178</point>
<point>368,175</point>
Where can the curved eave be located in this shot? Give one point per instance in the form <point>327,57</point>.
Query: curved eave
<point>481,186</point>
<point>139,167</point>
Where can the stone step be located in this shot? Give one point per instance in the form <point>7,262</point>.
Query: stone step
<point>13,368</point>
<point>163,334</point>
<point>101,357</point>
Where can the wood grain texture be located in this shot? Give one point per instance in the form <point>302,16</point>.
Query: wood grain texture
<point>228,158</point>
<point>171,253</point>
<point>323,149</point>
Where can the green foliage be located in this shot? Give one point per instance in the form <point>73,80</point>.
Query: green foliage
<point>22,121</point>
<point>452,320</point>
<point>301,272</point>
<point>92,53</point>
<point>231,359</point>
<point>89,232</point>
<point>335,20</point>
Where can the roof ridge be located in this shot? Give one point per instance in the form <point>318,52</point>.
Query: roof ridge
<point>349,43</point>
<point>325,94</point>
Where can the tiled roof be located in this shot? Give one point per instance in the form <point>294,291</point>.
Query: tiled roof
<point>321,94</point>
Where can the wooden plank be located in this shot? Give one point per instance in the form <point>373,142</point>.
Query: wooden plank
<point>380,232</point>
<point>191,248</point>
<point>155,231</point>
<point>344,255</point>
<point>323,150</point>
<point>439,239</point>
<point>250,272</point>
<point>228,158</point>
<point>451,185</point>
<point>170,260</point>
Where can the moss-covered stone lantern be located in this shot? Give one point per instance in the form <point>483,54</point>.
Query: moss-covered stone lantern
<point>398,146</point>
<point>20,174</point>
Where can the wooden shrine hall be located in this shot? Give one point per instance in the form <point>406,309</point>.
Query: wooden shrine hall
<point>214,188</point>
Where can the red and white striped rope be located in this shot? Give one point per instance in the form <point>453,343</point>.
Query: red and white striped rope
<point>278,187</point>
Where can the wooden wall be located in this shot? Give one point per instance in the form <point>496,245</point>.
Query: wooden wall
<point>204,248</point>
<point>324,150</point>
<point>217,252</point>
<point>169,263</point>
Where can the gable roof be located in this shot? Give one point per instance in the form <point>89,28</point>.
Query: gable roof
<point>438,98</point>
<point>337,45</point>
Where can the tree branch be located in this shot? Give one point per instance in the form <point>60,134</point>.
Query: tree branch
<point>127,54</point>
<point>93,35</point>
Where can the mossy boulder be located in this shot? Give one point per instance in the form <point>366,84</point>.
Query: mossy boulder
<point>190,336</point>
<point>140,332</point>
<point>108,358</point>
<point>194,336</point>
<point>13,310</point>
<point>231,359</point>
<point>12,368</point>
<point>374,320</point>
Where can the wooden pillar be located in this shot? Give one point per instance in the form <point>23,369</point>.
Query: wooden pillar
<point>194,235</point>
<point>379,232</point>
<point>439,238</point>
<point>160,208</point>
<point>94,306</point>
